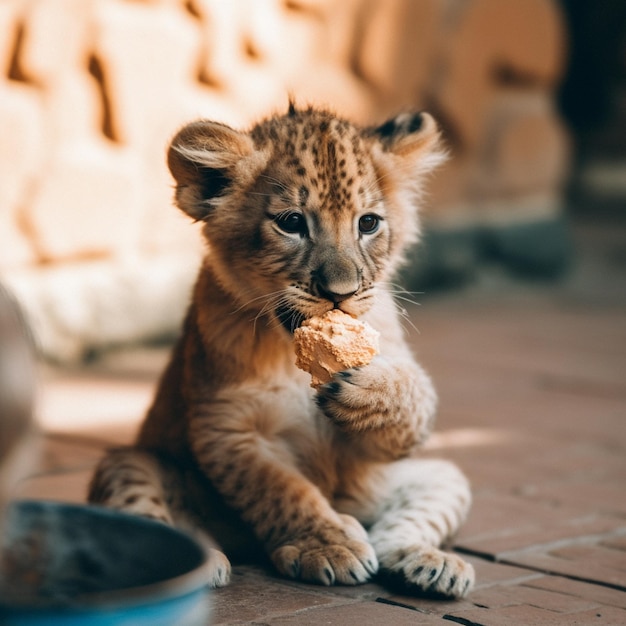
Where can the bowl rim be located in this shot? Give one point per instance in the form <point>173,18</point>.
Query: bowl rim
<point>181,585</point>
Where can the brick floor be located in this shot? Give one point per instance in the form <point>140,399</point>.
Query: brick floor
<point>577,589</point>
<point>533,408</point>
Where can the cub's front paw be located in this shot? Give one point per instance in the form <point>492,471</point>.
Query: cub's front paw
<point>380,395</point>
<point>360,398</point>
<point>424,569</point>
<point>328,555</point>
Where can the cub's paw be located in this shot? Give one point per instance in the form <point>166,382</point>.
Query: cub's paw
<point>424,569</point>
<point>218,569</point>
<point>328,555</point>
<point>360,397</point>
<point>379,395</point>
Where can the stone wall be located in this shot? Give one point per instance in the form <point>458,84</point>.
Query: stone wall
<point>92,90</point>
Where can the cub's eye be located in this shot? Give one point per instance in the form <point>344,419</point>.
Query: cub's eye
<point>291,223</point>
<point>369,223</point>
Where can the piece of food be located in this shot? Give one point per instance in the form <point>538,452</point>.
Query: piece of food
<point>333,342</point>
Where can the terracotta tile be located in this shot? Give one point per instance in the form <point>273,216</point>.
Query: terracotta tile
<point>569,483</point>
<point>619,543</point>
<point>253,596</point>
<point>544,533</point>
<point>519,614</point>
<point>604,616</point>
<point>359,614</point>
<point>432,606</point>
<point>583,568</point>
<point>498,521</point>
<point>526,614</point>
<point>511,595</point>
<point>580,589</point>
<point>64,486</point>
<point>489,574</point>
<point>600,555</point>
<point>369,591</point>
<point>601,497</point>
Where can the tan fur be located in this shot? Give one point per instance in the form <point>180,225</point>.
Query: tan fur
<point>304,213</point>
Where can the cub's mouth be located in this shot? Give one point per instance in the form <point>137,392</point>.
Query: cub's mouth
<point>291,319</point>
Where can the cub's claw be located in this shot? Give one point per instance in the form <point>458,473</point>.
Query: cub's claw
<point>426,569</point>
<point>219,569</point>
<point>329,556</point>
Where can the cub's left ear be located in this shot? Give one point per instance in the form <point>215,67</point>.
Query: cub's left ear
<point>209,160</point>
<point>412,137</point>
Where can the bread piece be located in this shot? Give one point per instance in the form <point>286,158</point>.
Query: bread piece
<point>333,342</point>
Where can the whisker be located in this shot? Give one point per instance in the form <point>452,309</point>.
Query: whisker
<point>270,301</point>
<point>247,303</point>
<point>398,292</point>
<point>260,193</point>
<point>271,304</point>
<point>409,300</point>
<point>403,314</point>
<point>397,287</point>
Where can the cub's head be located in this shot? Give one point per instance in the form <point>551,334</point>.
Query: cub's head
<point>305,212</point>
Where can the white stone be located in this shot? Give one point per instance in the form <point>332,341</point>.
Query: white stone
<point>79,307</point>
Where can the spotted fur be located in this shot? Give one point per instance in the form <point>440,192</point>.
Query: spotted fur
<point>304,213</point>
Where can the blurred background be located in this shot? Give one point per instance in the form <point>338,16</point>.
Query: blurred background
<point>531,96</point>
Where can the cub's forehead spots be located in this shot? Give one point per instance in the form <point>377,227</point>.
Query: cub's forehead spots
<point>322,160</point>
<point>303,195</point>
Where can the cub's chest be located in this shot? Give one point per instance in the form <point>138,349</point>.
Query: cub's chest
<point>281,417</point>
<point>283,407</point>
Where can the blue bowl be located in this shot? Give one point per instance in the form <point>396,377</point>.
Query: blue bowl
<point>67,565</point>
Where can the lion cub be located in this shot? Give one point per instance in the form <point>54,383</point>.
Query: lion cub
<point>302,214</point>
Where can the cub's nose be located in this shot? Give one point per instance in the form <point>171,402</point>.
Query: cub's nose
<point>335,296</point>
<point>337,280</point>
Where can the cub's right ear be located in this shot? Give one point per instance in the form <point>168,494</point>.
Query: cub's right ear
<point>207,160</point>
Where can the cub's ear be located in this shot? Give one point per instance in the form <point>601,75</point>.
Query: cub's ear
<point>411,137</point>
<point>206,159</point>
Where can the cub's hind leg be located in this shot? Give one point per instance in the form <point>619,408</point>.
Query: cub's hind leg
<point>131,480</point>
<point>412,508</point>
<point>138,482</point>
